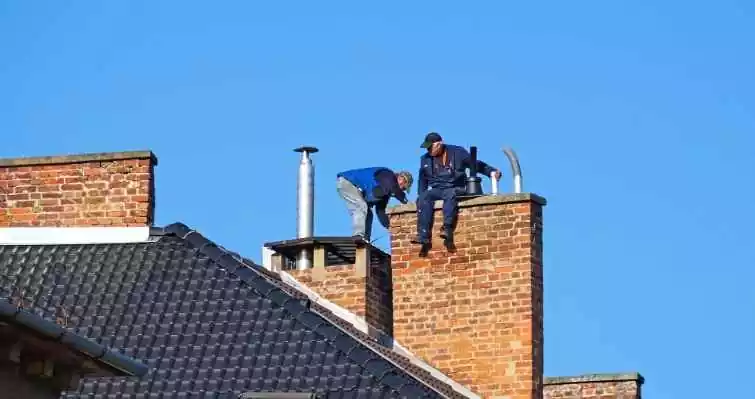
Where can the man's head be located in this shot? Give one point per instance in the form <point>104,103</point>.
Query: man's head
<point>433,143</point>
<point>405,180</point>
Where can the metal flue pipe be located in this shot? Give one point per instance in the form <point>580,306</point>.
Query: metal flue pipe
<point>515,169</point>
<point>473,181</point>
<point>305,204</point>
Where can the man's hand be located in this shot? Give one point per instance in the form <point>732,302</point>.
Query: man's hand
<point>496,174</point>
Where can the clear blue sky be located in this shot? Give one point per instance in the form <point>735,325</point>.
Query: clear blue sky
<point>634,119</point>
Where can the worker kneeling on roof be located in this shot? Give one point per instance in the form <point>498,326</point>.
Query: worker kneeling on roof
<point>443,170</point>
<point>367,187</point>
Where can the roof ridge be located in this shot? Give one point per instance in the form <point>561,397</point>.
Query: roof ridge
<point>308,312</point>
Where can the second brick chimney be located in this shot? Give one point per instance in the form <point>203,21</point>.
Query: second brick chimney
<point>103,189</point>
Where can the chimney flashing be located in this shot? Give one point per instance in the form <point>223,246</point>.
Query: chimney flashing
<point>411,207</point>
<point>78,158</point>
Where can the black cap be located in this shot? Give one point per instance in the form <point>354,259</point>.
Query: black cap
<point>431,138</point>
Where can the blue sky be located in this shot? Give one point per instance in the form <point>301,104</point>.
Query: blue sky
<point>634,119</point>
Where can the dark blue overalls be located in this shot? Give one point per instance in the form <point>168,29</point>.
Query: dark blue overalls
<point>447,182</point>
<point>425,205</point>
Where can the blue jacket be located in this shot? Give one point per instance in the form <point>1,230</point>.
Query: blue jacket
<point>378,185</point>
<point>433,174</point>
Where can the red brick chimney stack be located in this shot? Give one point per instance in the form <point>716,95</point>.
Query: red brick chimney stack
<point>477,314</point>
<point>105,189</point>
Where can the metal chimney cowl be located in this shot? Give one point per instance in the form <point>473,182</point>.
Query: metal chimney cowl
<point>305,204</point>
<point>474,185</point>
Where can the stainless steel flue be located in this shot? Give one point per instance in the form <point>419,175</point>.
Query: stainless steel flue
<point>515,169</point>
<point>305,204</point>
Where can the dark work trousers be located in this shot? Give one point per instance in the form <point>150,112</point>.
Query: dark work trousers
<point>425,205</point>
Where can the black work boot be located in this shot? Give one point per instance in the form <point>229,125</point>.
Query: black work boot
<point>424,250</point>
<point>448,240</point>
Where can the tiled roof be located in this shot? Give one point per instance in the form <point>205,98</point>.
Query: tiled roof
<point>208,323</point>
<point>111,363</point>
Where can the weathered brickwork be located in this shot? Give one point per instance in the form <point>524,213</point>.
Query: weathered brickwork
<point>369,297</point>
<point>110,189</point>
<point>477,314</point>
<point>601,386</point>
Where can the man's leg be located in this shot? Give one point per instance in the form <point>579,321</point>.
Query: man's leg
<point>450,213</point>
<point>425,203</point>
<point>356,205</point>
<point>368,224</point>
<point>425,210</point>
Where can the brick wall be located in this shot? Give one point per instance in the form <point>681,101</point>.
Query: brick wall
<point>107,189</point>
<point>369,297</point>
<point>595,386</point>
<point>477,314</point>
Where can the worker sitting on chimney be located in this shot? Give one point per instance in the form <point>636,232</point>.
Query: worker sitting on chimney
<point>443,169</point>
<point>367,187</point>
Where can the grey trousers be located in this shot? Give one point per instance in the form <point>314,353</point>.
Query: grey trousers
<point>361,214</point>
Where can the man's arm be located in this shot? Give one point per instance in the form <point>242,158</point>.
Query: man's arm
<point>380,212</point>
<point>421,179</point>
<point>485,169</point>
<point>389,184</point>
<point>482,167</point>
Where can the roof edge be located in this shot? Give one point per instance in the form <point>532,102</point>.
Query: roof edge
<point>79,158</point>
<point>85,346</point>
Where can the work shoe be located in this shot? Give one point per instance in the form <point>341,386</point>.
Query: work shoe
<point>448,241</point>
<point>424,250</point>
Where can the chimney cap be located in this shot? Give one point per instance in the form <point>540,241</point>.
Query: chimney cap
<point>309,149</point>
<point>79,158</point>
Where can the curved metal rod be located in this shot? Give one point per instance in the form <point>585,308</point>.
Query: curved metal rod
<point>515,169</point>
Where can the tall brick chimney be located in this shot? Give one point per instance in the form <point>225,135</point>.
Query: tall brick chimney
<point>477,314</point>
<point>104,189</point>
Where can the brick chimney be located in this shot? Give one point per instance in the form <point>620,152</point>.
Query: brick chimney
<point>353,275</point>
<point>477,314</point>
<point>104,189</point>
